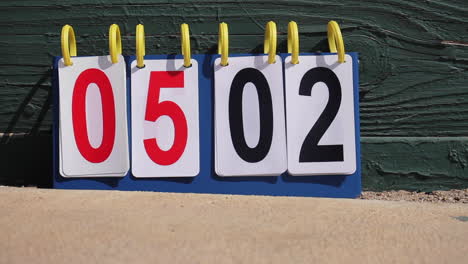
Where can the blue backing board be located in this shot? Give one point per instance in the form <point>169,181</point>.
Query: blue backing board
<point>343,186</point>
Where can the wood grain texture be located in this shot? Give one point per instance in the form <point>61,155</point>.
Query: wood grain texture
<point>417,164</point>
<point>413,58</point>
<point>388,163</point>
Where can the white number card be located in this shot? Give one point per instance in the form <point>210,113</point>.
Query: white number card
<point>250,135</point>
<point>165,125</point>
<point>93,136</point>
<point>320,115</point>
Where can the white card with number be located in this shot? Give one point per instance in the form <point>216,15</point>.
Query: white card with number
<point>320,115</point>
<point>165,124</point>
<point>93,134</point>
<point>250,135</point>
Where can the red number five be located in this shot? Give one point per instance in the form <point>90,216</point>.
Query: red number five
<point>155,109</point>
<point>80,128</point>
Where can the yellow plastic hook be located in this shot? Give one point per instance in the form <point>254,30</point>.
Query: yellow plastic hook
<point>335,40</point>
<point>293,42</point>
<point>115,43</point>
<point>140,45</point>
<point>269,43</point>
<point>223,43</point>
<point>185,39</point>
<point>68,42</point>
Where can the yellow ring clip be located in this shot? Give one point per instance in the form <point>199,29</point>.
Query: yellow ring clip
<point>115,43</point>
<point>335,40</point>
<point>68,42</point>
<point>269,43</point>
<point>185,39</point>
<point>293,42</point>
<point>140,45</point>
<point>223,43</point>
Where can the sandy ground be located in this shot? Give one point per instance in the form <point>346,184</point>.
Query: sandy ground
<point>451,196</point>
<point>64,226</point>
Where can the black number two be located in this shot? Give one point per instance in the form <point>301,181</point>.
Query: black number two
<point>310,150</point>
<point>259,152</point>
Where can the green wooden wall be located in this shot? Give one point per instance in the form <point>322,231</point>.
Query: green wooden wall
<point>414,72</point>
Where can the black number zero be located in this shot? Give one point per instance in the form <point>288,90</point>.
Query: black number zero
<point>262,148</point>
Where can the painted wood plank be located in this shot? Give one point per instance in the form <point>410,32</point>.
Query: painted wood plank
<point>388,163</point>
<point>418,164</point>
